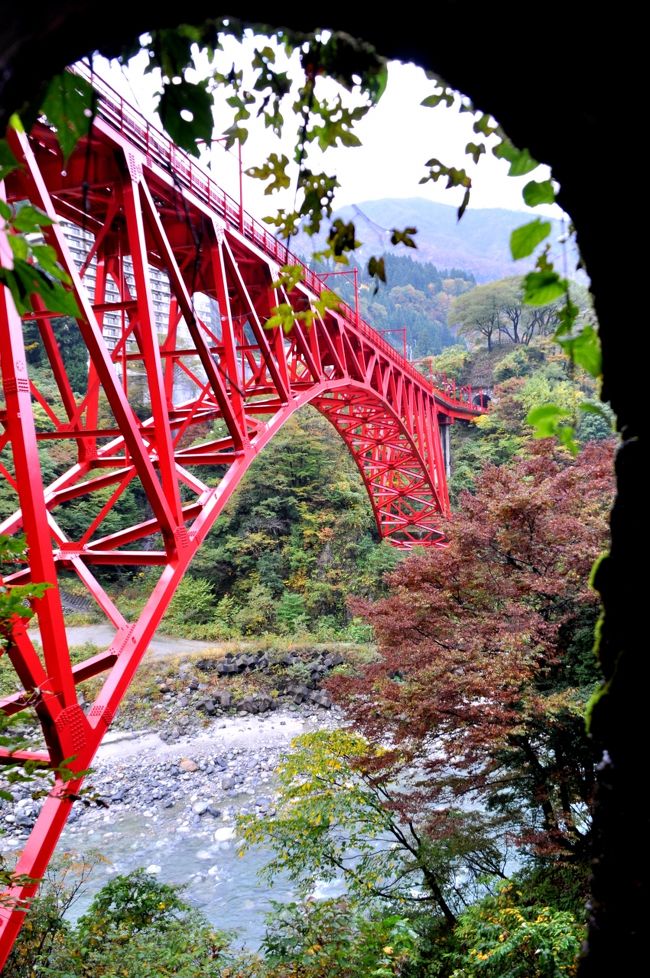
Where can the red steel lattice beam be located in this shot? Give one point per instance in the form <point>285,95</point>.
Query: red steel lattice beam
<point>146,210</point>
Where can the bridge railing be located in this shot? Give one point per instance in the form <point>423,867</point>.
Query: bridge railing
<point>159,148</point>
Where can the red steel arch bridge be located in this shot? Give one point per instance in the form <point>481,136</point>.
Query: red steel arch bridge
<point>219,384</point>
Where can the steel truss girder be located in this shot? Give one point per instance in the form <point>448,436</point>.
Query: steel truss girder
<point>151,214</point>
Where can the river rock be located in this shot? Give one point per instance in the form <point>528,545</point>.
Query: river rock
<point>187,765</point>
<point>224,834</point>
<point>207,665</point>
<point>258,703</point>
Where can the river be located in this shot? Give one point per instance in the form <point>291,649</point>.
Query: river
<point>171,810</point>
<point>179,823</point>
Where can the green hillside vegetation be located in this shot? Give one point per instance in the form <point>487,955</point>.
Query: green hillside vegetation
<point>521,378</point>
<point>295,540</point>
<point>416,296</point>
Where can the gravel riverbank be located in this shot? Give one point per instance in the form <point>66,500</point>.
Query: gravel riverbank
<point>169,807</point>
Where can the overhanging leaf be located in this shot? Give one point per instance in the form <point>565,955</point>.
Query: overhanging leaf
<point>549,421</point>
<point>68,107</point>
<point>584,349</point>
<point>538,192</point>
<point>520,160</point>
<point>8,162</point>
<point>543,287</point>
<point>544,417</point>
<point>404,237</point>
<point>525,239</point>
<point>276,167</point>
<point>185,111</point>
<point>599,409</point>
<point>377,269</point>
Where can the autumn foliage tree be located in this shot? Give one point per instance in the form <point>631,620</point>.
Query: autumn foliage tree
<point>486,655</point>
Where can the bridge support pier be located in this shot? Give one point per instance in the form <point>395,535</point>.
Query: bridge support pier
<point>446,444</point>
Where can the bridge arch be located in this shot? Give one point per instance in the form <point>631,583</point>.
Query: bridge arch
<point>134,220</point>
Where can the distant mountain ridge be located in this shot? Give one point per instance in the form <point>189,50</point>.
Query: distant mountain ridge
<point>479,243</point>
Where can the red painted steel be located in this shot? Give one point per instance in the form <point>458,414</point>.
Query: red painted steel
<point>218,388</point>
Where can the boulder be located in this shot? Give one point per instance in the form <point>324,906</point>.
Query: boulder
<point>333,659</point>
<point>299,691</point>
<point>208,665</point>
<point>322,699</point>
<point>188,765</point>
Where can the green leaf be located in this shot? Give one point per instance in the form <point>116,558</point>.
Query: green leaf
<point>544,416</point>
<point>377,82</point>
<point>475,150</point>
<point>275,167</point>
<point>281,315</point>
<point>68,107</point>
<point>404,237</point>
<point>45,256</point>
<point>29,219</point>
<point>341,237</point>
<point>463,204</point>
<point>328,300</point>
<point>26,280</point>
<point>590,408</point>
<point>584,349</point>
<point>432,101</point>
<point>525,239</point>
<point>8,162</point>
<point>538,192</point>
<point>547,421</point>
<point>565,434</point>
<point>485,125</point>
<point>568,317</point>
<point>19,246</point>
<point>543,287</point>
<point>288,278</point>
<point>185,111</point>
<point>520,160</point>
<point>377,269</point>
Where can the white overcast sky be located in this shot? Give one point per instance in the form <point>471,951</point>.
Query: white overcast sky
<point>398,136</point>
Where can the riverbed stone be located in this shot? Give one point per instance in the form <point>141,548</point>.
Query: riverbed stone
<point>187,765</point>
